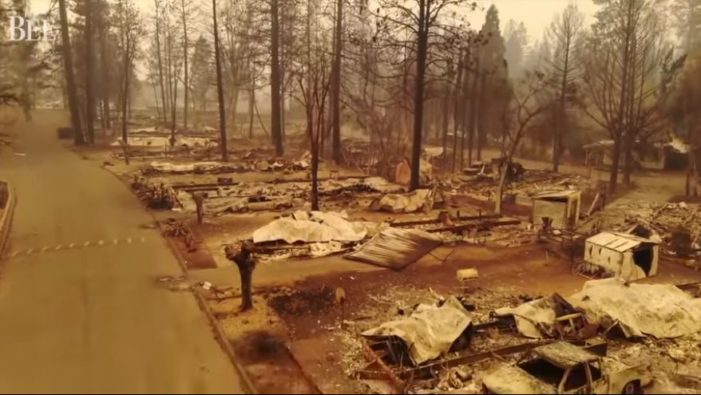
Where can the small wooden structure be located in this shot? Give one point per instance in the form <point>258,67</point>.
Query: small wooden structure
<point>624,255</point>
<point>562,207</point>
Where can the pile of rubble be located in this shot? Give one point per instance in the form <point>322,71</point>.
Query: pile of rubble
<point>231,197</point>
<point>391,340</point>
<point>525,185</point>
<point>240,166</point>
<point>156,195</point>
<point>677,225</point>
<point>394,244</point>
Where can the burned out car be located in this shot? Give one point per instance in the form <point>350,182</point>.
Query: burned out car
<point>563,368</point>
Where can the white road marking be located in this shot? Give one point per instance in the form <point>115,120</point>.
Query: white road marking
<point>88,243</point>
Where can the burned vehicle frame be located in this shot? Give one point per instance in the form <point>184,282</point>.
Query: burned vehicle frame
<point>564,368</point>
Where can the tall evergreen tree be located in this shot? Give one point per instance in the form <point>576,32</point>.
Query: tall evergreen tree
<point>516,40</point>
<point>493,82</point>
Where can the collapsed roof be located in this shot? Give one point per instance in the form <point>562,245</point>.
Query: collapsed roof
<point>429,332</point>
<point>658,310</point>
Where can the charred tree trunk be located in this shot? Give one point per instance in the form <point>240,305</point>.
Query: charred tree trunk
<point>558,136</point>
<point>421,55</point>
<point>336,85</point>
<point>482,107</point>
<point>220,92</point>
<point>444,129</point>
<point>233,105</point>
<point>622,125</point>
<point>275,82</point>
<point>693,172</point>
<point>615,163</point>
<point>628,146</point>
<point>456,108</point>
<point>474,98</point>
<point>125,94</point>
<point>70,78</point>
<point>161,79</point>
<point>89,97</point>
<point>186,84</point>
<point>315,173</point>
<point>173,112</point>
<point>105,86</point>
<point>251,109</point>
<point>172,82</point>
<point>246,263</point>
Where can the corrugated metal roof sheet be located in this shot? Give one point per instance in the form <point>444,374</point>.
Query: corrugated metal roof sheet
<point>620,242</point>
<point>396,248</point>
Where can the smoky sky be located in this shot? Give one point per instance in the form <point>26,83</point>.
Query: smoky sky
<point>535,14</point>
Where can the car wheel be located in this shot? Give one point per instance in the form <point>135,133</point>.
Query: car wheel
<point>632,388</point>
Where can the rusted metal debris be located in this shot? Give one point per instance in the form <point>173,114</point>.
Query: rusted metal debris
<point>395,248</point>
<point>401,377</point>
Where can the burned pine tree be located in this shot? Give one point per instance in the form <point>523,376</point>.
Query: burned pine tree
<point>240,53</point>
<point>490,88</point>
<point>336,85</point>
<point>71,88</point>
<point>564,67</point>
<point>421,24</point>
<point>526,104</point>
<point>103,11</point>
<point>621,83</point>
<point>129,29</point>
<point>159,56</point>
<point>220,88</point>
<point>314,84</point>
<point>275,79</point>
<point>185,9</point>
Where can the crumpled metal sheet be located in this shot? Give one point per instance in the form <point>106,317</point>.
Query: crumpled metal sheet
<point>534,319</point>
<point>319,227</point>
<point>429,332</point>
<point>659,310</point>
<point>419,199</point>
<point>396,248</point>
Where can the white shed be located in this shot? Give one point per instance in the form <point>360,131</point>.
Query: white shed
<point>626,256</point>
<point>561,206</point>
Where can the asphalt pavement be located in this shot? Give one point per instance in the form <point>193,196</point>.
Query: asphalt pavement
<point>80,308</point>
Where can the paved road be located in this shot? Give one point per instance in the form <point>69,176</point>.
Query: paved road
<point>90,318</point>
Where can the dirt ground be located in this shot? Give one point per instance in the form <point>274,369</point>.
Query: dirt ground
<point>300,339</point>
<point>318,332</point>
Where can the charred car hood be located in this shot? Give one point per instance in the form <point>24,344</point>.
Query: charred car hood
<point>514,380</point>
